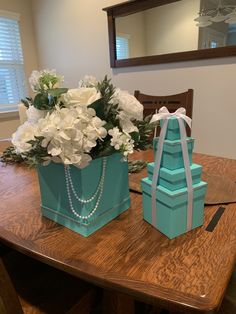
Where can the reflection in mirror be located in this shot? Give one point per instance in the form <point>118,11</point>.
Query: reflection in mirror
<point>217,23</point>
<point>180,26</point>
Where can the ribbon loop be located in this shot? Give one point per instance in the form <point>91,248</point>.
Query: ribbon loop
<point>164,113</point>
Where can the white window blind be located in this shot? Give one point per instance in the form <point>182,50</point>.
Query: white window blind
<point>122,47</point>
<point>12,76</point>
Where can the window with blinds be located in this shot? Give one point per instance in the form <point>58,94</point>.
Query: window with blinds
<point>122,47</point>
<point>12,76</point>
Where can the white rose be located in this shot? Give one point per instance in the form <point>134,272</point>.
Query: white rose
<point>83,96</point>
<point>129,104</point>
<point>34,114</point>
<point>22,136</point>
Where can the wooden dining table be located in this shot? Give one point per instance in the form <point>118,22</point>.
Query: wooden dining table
<point>128,258</point>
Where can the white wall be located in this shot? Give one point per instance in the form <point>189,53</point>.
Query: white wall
<point>166,27</point>
<point>9,122</point>
<point>72,37</point>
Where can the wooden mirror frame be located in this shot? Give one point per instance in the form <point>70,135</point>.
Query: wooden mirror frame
<point>134,6</point>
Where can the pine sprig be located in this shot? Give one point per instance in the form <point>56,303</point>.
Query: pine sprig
<point>106,89</point>
<point>37,154</point>
<point>145,133</point>
<point>136,166</point>
<point>9,156</point>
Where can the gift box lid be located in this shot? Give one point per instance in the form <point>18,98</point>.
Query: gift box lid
<point>173,198</point>
<point>177,174</point>
<point>173,146</point>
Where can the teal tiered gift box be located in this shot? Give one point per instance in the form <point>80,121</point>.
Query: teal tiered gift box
<point>84,200</point>
<point>172,153</point>
<point>170,215</point>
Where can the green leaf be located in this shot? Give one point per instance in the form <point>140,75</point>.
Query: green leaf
<point>135,136</point>
<point>108,126</point>
<point>56,92</point>
<point>106,151</point>
<point>41,102</point>
<point>145,132</point>
<point>27,101</point>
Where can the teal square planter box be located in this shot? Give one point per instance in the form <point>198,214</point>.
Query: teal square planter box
<point>172,208</point>
<point>172,156</point>
<point>114,199</point>
<point>175,179</point>
<point>172,132</point>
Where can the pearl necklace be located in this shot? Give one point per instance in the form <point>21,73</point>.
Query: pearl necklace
<point>98,192</point>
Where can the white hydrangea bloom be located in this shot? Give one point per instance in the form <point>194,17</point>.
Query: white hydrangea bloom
<point>33,114</point>
<point>81,96</point>
<point>70,134</point>
<point>23,135</point>
<point>121,141</point>
<point>126,123</point>
<point>34,80</point>
<point>129,104</point>
<point>88,81</point>
<point>44,80</point>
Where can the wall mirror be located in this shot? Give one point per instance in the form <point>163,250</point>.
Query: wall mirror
<point>145,32</point>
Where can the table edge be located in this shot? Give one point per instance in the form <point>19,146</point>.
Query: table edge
<point>187,301</point>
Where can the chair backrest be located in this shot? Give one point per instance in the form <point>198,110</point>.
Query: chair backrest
<point>171,102</point>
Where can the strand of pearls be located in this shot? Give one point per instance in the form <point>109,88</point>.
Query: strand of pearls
<point>99,192</point>
<point>89,200</point>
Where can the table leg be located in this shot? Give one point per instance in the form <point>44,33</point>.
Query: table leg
<point>117,303</point>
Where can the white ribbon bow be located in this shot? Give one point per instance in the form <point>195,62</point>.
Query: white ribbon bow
<point>164,113</point>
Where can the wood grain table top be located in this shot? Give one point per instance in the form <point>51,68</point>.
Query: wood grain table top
<point>127,255</point>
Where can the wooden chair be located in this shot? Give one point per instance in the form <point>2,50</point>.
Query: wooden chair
<point>171,102</point>
<point>30,287</point>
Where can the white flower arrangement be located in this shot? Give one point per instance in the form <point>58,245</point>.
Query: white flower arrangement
<point>74,126</point>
